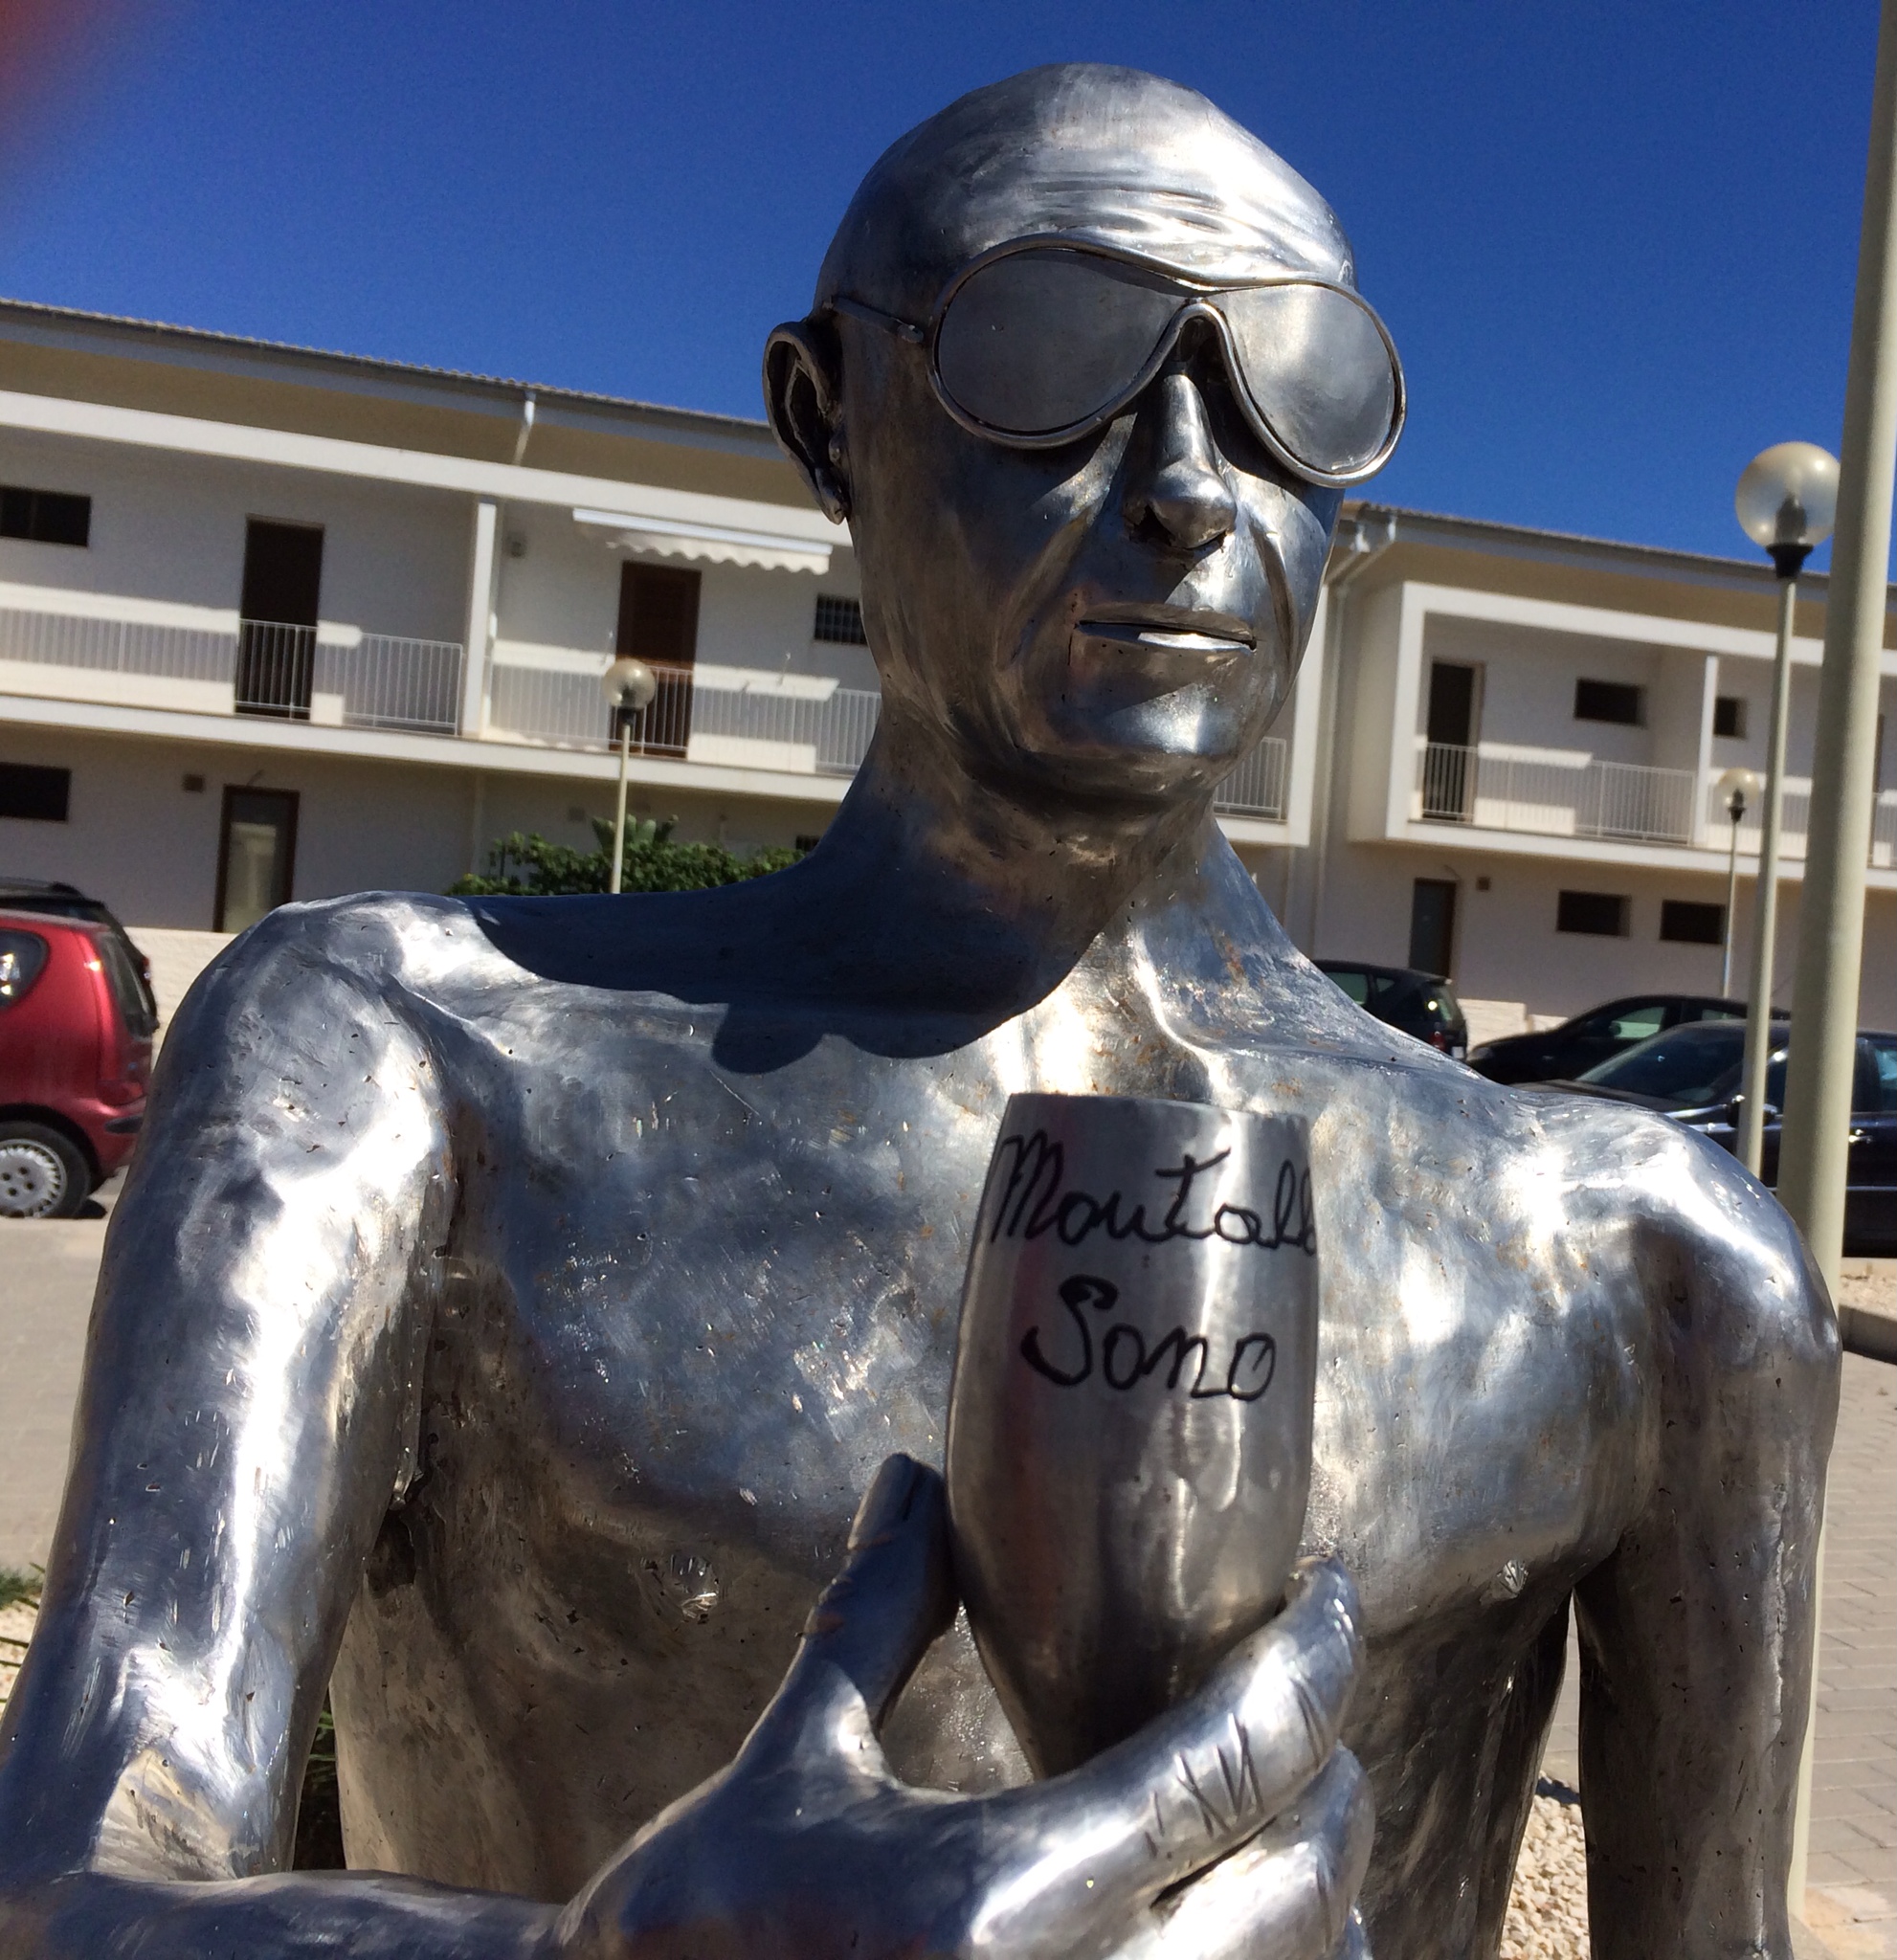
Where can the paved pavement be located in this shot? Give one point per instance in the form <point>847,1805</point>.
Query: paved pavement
<point>1852,1900</point>
<point>48,1267</point>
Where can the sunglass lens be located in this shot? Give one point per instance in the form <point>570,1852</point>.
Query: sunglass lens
<point>1318,370</point>
<point>1040,341</point>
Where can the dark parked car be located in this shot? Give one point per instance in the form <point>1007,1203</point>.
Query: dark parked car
<point>75,1059</point>
<point>68,901</point>
<point>1561,1054</point>
<point>1421,1004</point>
<point>1691,1074</point>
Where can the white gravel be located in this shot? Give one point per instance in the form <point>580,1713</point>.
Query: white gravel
<point>1548,1909</point>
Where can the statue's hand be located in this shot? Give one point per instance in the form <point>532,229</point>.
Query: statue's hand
<point>808,1847</point>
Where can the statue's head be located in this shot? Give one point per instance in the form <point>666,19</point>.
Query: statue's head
<point>1087,375</point>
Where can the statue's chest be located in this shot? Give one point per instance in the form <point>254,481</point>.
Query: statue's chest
<point>704,1306</point>
<point>712,1300</point>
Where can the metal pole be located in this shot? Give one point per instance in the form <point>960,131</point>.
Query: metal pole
<point>1815,1139</point>
<point>1818,1091</point>
<point>617,875</point>
<point>1735,809</point>
<point>1765,900</point>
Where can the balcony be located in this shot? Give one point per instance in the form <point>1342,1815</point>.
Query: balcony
<point>1795,821</point>
<point>335,676</point>
<point>747,718</point>
<point>737,717</point>
<point>1554,796</point>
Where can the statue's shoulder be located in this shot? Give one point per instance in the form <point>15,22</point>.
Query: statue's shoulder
<point>386,944</point>
<point>1714,1252</point>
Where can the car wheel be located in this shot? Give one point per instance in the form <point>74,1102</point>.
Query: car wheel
<point>43,1173</point>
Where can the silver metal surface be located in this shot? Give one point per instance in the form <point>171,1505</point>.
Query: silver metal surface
<point>1129,1422</point>
<point>510,1297</point>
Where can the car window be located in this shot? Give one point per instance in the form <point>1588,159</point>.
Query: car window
<point>1355,986</point>
<point>1686,1067</point>
<point>1605,1021</point>
<point>1636,1020</point>
<point>1884,1075</point>
<point>123,977</point>
<point>1711,1011</point>
<point>22,954</point>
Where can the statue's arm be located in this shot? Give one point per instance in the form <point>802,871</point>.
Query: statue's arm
<point>243,1422</point>
<point>1696,1636</point>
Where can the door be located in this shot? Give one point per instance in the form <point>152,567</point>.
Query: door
<point>1450,739</point>
<point>277,636</point>
<point>658,625</point>
<point>1433,926</point>
<point>256,855</point>
<point>1870,1192</point>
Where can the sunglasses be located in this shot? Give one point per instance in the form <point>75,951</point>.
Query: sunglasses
<point>1039,342</point>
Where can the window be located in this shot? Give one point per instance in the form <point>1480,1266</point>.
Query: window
<point>1882,1071</point>
<point>1692,923</point>
<point>1433,926</point>
<point>45,517</point>
<point>256,856</point>
<point>22,954</point>
<point>38,795</point>
<point>1610,701</point>
<point>1603,914</point>
<point>1355,986</point>
<point>1728,717</point>
<point>839,620</point>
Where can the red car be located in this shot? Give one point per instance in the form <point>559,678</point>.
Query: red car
<point>74,1059</point>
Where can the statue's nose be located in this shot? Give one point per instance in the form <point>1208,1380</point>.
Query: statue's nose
<point>1177,487</point>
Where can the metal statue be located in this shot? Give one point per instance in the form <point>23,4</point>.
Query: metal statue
<point>512,1299</point>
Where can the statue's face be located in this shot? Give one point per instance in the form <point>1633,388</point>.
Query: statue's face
<point>1117,617</point>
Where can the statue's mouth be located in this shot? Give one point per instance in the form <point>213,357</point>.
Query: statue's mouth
<point>1164,630</point>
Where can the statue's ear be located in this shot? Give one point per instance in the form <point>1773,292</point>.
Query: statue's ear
<point>801,397</point>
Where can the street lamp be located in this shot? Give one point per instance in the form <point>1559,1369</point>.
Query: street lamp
<point>1786,504</point>
<point>629,687</point>
<point>1737,788</point>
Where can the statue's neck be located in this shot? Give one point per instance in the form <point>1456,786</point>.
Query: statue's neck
<point>998,900</point>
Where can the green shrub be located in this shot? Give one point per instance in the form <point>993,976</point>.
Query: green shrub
<point>527,865</point>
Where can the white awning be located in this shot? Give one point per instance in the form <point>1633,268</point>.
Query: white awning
<point>672,537</point>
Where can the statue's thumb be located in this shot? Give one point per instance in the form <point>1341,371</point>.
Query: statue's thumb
<point>878,1617</point>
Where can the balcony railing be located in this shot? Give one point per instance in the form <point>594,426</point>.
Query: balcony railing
<point>795,723</point>
<point>292,672</point>
<point>739,718</point>
<point>1607,800</point>
<point>1256,787</point>
<point>1795,822</point>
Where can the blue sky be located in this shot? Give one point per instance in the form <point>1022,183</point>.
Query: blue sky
<point>1615,243</point>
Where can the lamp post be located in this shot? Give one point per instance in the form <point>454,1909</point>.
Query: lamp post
<point>629,687</point>
<point>1734,788</point>
<point>1786,502</point>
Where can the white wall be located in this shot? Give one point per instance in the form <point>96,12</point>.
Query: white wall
<point>172,528</point>
<point>136,839</point>
<point>562,589</point>
<point>1507,948</point>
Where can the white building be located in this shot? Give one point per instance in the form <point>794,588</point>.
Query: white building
<point>276,624</point>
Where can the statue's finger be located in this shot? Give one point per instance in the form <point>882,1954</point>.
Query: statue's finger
<point>1291,1892</point>
<point>876,1619</point>
<point>1198,1781</point>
